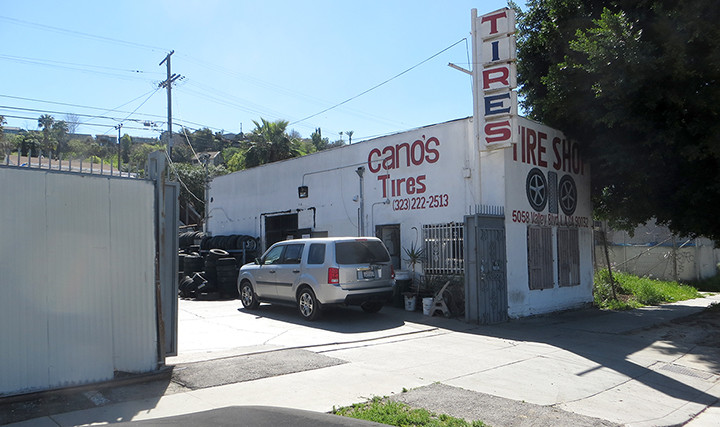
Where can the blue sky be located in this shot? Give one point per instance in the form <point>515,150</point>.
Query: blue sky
<point>241,61</point>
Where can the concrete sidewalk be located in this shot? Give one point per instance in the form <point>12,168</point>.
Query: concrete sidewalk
<point>644,367</point>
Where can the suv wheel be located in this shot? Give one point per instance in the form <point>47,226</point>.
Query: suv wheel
<point>247,296</point>
<point>308,305</point>
<point>371,306</point>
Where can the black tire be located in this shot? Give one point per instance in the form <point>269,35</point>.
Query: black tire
<point>371,306</point>
<point>308,305</point>
<point>226,262</point>
<point>217,253</point>
<point>192,264</point>
<point>247,296</point>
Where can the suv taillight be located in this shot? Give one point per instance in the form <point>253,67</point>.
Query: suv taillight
<point>392,272</point>
<point>333,276</point>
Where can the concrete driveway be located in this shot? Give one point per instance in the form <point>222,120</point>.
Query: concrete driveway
<point>214,329</point>
<point>648,367</point>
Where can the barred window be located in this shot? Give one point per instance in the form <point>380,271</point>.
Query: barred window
<point>540,258</point>
<point>443,245</point>
<point>568,257</point>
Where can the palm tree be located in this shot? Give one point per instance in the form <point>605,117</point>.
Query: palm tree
<point>269,143</point>
<point>350,134</point>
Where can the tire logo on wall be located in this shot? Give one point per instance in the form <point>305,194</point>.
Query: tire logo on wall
<point>536,189</point>
<point>567,195</point>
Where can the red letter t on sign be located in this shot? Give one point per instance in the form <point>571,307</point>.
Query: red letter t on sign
<point>493,21</point>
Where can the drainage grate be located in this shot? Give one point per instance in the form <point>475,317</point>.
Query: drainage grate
<point>687,371</point>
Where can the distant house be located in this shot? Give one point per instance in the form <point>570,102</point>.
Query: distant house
<point>215,158</point>
<point>11,130</point>
<point>144,140</point>
<point>105,139</point>
<point>80,136</point>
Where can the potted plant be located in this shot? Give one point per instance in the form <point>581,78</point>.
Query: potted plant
<point>414,256</point>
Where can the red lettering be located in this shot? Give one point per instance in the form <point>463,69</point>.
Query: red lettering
<point>498,132</point>
<point>566,156</point>
<point>398,147</point>
<point>493,21</point>
<point>383,179</point>
<point>420,182</point>
<point>389,160</point>
<point>411,185</point>
<point>556,164</point>
<point>541,149</point>
<point>576,162</point>
<point>376,168</point>
<point>417,160</point>
<point>531,144</point>
<point>398,184</point>
<point>432,151</point>
<point>503,75</point>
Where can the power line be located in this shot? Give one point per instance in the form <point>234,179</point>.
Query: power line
<point>72,65</point>
<point>88,124</point>
<point>105,109</point>
<point>381,84</point>
<point>79,34</point>
<point>7,107</point>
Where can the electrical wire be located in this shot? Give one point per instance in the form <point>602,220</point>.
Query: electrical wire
<point>85,68</point>
<point>200,125</point>
<point>88,124</point>
<point>172,166</point>
<point>138,107</point>
<point>381,84</point>
<point>60,112</point>
<point>79,34</point>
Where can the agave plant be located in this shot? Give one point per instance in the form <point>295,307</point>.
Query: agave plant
<point>415,255</point>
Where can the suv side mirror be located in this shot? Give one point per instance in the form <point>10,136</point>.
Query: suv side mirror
<point>258,261</point>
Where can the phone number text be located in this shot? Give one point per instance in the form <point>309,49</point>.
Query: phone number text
<point>422,202</point>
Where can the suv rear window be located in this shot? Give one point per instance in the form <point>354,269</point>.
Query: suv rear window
<point>360,252</point>
<point>316,254</point>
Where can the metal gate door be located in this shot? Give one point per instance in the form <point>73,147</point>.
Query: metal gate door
<point>485,269</point>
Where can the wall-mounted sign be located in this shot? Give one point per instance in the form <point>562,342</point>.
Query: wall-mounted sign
<point>494,47</point>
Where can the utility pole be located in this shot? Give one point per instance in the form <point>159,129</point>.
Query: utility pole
<point>118,127</point>
<point>361,222</point>
<point>171,78</point>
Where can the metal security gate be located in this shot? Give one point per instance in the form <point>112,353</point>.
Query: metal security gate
<point>485,269</point>
<point>88,272</point>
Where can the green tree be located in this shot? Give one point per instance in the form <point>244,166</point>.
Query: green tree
<point>638,85</point>
<point>318,141</point>
<point>5,146</point>
<point>236,161</point>
<point>193,178</point>
<point>48,143</point>
<point>30,143</point>
<point>125,146</point>
<point>60,133</point>
<point>268,142</point>
<point>139,153</point>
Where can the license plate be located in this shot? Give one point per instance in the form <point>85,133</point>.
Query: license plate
<point>366,274</point>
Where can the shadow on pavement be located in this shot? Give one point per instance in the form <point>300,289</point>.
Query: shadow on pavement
<point>346,320</point>
<point>612,338</point>
<point>146,390</point>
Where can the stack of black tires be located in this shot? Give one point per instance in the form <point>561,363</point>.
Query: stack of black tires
<point>209,265</point>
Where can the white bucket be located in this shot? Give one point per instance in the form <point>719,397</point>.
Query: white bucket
<point>410,303</point>
<point>427,305</point>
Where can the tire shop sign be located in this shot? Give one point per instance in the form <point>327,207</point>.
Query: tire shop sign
<point>550,184</point>
<point>497,110</point>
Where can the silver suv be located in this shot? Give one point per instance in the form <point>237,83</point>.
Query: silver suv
<point>311,273</point>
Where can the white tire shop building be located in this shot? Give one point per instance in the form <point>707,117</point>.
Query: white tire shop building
<point>498,199</point>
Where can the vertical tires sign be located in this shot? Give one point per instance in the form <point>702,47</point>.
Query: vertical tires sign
<point>494,79</point>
